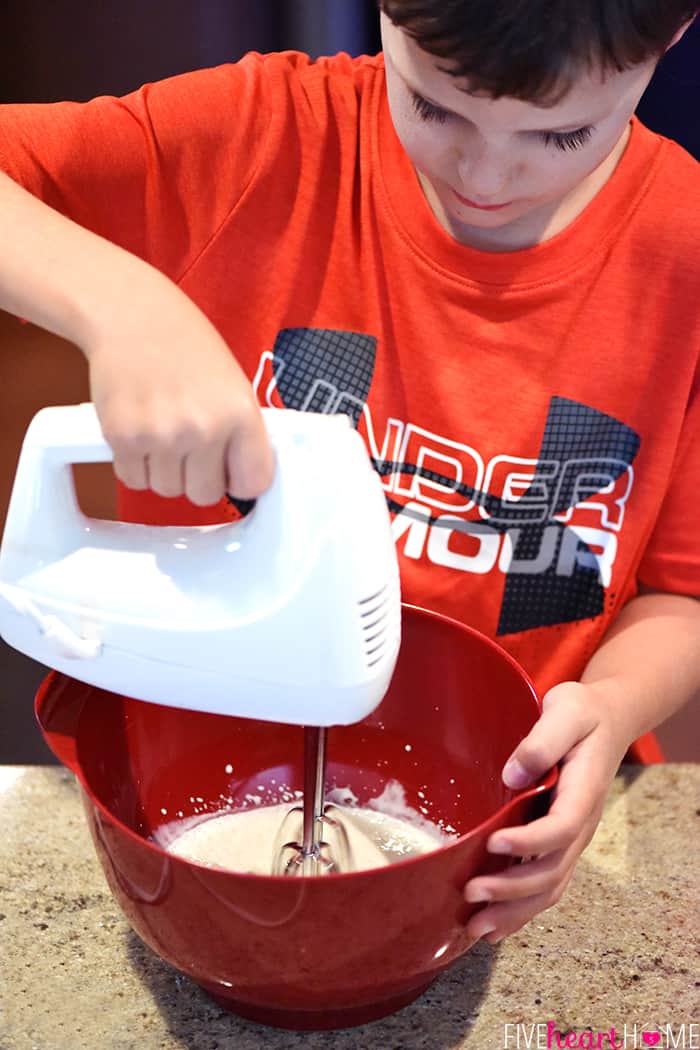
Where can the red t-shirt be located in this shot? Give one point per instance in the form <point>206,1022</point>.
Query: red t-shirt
<point>534,415</point>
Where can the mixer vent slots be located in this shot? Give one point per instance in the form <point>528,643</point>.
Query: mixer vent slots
<point>377,621</point>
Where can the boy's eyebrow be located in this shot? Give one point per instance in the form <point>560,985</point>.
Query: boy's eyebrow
<point>538,131</point>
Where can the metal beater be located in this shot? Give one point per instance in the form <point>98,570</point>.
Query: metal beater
<point>311,839</point>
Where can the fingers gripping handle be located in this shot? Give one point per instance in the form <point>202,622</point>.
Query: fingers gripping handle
<point>44,515</point>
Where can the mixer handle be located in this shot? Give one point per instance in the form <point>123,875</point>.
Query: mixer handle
<point>69,434</point>
<point>43,502</point>
<point>44,505</point>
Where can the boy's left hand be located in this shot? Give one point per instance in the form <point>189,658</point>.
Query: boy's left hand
<point>576,728</point>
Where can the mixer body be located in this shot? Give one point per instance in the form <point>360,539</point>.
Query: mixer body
<point>290,615</point>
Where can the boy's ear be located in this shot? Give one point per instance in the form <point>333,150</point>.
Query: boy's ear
<point>680,34</point>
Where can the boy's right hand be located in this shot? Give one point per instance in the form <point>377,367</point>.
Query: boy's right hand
<point>178,412</point>
<point>174,405</point>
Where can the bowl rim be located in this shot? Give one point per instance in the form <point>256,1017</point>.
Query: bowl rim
<point>70,759</point>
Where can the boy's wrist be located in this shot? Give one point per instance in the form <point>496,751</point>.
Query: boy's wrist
<point>611,697</point>
<point>109,294</point>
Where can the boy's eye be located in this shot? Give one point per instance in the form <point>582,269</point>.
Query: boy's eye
<point>563,140</point>
<point>567,140</point>
<point>426,110</point>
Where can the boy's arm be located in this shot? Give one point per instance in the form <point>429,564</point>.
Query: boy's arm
<point>121,200</point>
<point>174,405</point>
<point>58,274</point>
<point>647,667</point>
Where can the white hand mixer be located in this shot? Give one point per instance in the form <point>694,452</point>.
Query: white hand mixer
<point>290,615</point>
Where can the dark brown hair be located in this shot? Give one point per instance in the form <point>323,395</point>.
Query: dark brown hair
<point>533,49</point>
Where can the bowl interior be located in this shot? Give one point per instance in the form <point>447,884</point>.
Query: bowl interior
<point>456,708</point>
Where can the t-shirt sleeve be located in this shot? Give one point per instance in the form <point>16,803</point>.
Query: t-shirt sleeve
<point>671,561</point>
<point>156,171</point>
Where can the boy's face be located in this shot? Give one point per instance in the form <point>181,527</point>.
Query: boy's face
<point>503,174</point>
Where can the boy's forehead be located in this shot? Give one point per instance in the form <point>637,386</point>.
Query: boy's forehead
<point>590,95</point>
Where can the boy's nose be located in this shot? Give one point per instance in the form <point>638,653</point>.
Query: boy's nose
<point>482,176</point>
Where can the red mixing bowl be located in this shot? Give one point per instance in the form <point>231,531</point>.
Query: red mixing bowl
<point>307,953</point>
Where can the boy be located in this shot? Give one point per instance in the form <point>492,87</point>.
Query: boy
<point>470,246</point>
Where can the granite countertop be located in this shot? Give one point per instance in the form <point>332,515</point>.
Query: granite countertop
<point>619,949</point>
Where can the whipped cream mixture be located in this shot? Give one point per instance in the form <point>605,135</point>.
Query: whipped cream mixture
<point>244,840</point>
